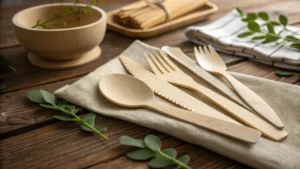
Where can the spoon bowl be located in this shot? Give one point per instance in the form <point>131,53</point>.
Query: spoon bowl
<point>125,90</point>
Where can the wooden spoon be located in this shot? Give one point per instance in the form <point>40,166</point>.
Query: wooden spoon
<point>131,92</point>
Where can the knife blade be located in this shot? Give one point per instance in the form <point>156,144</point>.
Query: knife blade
<point>170,92</point>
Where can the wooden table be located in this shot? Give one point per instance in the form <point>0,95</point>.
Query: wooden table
<point>31,138</point>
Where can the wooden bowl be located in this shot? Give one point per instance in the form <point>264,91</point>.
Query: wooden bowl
<point>66,47</point>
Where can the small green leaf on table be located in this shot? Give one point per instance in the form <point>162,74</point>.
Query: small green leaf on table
<point>152,142</point>
<point>35,96</point>
<point>90,119</point>
<point>129,141</point>
<point>64,118</point>
<point>284,73</point>
<point>141,154</point>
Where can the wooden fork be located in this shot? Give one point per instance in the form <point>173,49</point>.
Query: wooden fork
<point>209,60</point>
<point>167,70</point>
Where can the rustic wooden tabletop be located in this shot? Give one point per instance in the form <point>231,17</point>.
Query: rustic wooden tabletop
<point>31,138</point>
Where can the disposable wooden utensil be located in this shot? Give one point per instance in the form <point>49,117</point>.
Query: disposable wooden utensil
<point>131,92</point>
<point>212,62</point>
<point>167,70</point>
<point>169,92</point>
<point>146,14</point>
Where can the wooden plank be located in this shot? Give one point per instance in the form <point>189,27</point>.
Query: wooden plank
<point>64,145</point>
<point>200,158</point>
<point>20,115</point>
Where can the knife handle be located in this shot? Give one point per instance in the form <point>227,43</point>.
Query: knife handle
<point>235,131</point>
<point>239,112</point>
<point>254,101</point>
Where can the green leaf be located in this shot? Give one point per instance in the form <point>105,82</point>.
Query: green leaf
<point>90,119</point>
<point>275,23</point>
<point>263,15</point>
<point>153,142</point>
<point>270,39</point>
<point>295,45</point>
<point>292,39</point>
<point>270,28</point>
<point>159,162</point>
<point>70,108</point>
<point>284,73</point>
<point>129,141</point>
<point>48,97</point>
<point>184,159</point>
<point>283,20</point>
<point>64,118</point>
<point>259,37</point>
<point>2,85</point>
<point>5,63</point>
<point>170,152</point>
<point>35,96</point>
<point>251,16</point>
<point>48,106</point>
<point>141,154</point>
<point>253,26</point>
<point>245,34</point>
<point>102,129</point>
<point>240,11</point>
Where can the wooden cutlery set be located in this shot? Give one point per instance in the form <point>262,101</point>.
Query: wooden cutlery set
<point>240,123</point>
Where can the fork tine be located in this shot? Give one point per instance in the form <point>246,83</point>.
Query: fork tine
<point>152,65</point>
<point>163,63</point>
<point>172,65</point>
<point>160,67</point>
<point>200,51</point>
<point>206,51</point>
<point>212,50</point>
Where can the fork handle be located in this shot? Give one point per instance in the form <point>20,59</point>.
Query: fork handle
<point>254,101</point>
<point>228,129</point>
<point>239,112</point>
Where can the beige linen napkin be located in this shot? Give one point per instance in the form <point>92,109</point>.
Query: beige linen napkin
<point>284,98</point>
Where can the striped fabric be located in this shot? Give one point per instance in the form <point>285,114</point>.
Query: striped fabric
<point>222,34</point>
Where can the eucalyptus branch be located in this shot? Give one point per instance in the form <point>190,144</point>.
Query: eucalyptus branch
<point>150,148</point>
<point>48,100</point>
<point>68,11</point>
<point>266,32</point>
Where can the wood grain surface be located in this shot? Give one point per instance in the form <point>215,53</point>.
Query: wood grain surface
<point>31,138</point>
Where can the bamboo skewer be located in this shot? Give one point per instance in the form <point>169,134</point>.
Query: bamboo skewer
<point>143,15</point>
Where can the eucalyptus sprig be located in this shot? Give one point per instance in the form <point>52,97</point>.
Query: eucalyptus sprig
<point>4,65</point>
<point>265,31</point>
<point>48,100</point>
<point>150,148</point>
<point>68,10</point>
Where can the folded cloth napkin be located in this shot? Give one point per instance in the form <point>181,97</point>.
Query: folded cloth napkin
<point>222,34</point>
<point>284,98</point>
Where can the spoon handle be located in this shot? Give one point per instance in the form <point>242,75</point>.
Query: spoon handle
<point>254,101</point>
<point>228,129</point>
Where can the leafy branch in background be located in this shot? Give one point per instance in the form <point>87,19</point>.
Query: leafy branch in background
<point>68,10</point>
<point>266,32</point>
<point>150,148</point>
<point>4,64</point>
<point>48,100</point>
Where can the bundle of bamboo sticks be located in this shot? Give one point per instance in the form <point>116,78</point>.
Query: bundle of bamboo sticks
<point>146,14</point>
